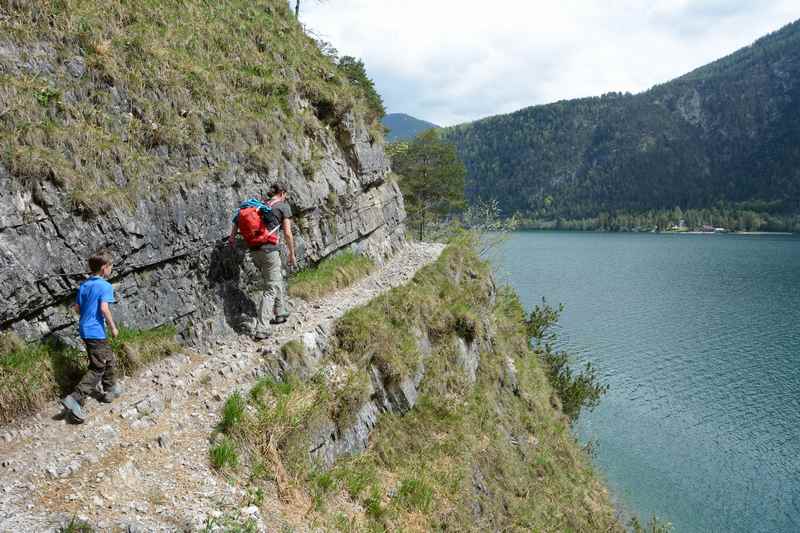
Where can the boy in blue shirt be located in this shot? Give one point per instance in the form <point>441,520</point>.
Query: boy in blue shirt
<point>94,295</point>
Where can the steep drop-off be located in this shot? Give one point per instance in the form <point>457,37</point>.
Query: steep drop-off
<point>139,126</point>
<point>727,132</point>
<point>424,410</point>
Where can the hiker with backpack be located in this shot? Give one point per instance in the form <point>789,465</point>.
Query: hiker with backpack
<point>260,224</point>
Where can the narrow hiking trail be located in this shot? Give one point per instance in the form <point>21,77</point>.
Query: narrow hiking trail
<point>142,463</point>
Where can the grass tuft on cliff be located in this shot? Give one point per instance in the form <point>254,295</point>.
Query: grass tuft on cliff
<point>33,374</point>
<point>490,455</point>
<point>331,274</point>
<point>118,99</point>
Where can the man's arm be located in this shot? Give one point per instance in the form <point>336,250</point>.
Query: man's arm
<point>106,310</point>
<point>287,232</point>
<point>76,308</point>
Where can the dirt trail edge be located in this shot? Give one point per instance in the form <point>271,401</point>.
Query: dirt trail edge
<point>141,463</point>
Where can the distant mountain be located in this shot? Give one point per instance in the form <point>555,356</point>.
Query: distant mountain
<point>726,133</point>
<point>404,127</point>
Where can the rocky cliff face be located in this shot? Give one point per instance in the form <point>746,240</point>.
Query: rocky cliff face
<point>171,262</point>
<point>163,204</point>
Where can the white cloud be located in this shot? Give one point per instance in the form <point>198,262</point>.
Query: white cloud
<point>450,61</point>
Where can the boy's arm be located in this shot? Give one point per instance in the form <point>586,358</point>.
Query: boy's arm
<point>76,308</point>
<point>106,310</point>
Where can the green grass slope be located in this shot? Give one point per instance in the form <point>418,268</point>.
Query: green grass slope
<point>495,454</point>
<point>116,99</point>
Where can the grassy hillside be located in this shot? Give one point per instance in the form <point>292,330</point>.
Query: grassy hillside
<point>114,99</point>
<point>493,454</point>
<point>726,133</point>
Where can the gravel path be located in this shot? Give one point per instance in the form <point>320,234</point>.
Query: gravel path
<point>141,463</point>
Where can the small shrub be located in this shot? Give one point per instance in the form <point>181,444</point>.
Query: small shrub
<point>232,412</point>
<point>322,483</point>
<point>541,321</point>
<point>415,494</point>
<point>255,496</point>
<point>325,481</point>
<point>265,385</point>
<point>76,526</point>
<point>466,322</point>
<point>46,96</point>
<point>224,455</point>
<point>356,476</point>
<point>374,505</point>
<point>575,391</point>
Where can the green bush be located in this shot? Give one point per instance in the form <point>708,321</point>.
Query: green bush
<point>224,455</point>
<point>232,413</point>
<point>575,391</point>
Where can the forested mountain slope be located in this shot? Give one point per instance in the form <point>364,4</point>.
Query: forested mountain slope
<point>725,133</point>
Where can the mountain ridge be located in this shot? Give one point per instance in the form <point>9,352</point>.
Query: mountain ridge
<point>405,127</point>
<point>723,133</point>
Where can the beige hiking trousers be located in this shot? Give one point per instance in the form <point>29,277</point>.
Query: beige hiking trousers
<point>273,296</point>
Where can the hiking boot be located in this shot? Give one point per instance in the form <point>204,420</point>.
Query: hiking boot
<point>74,409</point>
<point>112,394</point>
<point>279,319</point>
<point>260,335</point>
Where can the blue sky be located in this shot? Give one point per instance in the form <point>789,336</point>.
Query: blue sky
<point>451,61</point>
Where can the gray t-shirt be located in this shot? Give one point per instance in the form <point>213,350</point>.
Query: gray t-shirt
<point>282,211</point>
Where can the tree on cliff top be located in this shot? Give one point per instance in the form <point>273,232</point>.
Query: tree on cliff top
<point>353,69</point>
<point>432,179</point>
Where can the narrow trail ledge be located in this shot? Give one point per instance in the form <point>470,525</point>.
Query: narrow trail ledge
<point>141,463</point>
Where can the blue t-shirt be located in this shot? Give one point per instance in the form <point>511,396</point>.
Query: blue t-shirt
<point>91,294</point>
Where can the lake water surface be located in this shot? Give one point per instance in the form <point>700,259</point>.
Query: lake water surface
<point>698,337</point>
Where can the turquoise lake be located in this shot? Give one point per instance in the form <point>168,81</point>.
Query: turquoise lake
<point>698,337</point>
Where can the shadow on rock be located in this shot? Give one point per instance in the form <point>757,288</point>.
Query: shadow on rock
<point>225,277</point>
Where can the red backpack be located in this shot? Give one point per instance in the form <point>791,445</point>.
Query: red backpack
<point>259,228</point>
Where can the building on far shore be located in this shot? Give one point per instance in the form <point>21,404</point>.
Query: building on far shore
<point>711,229</point>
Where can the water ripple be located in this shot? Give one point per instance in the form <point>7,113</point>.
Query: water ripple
<point>698,339</point>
